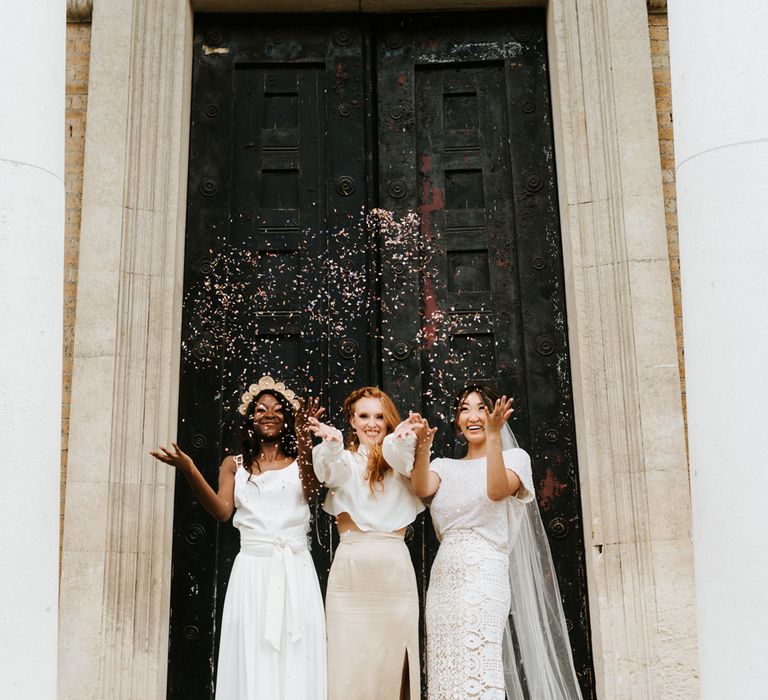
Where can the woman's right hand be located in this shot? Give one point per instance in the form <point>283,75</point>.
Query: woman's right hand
<point>324,431</point>
<point>176,458</point>
<point>424,434</point>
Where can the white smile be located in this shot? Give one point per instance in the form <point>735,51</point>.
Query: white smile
<point>474,428</point>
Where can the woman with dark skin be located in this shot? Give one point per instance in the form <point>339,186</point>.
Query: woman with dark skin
<point>267,417</point>
<point>273,624</point>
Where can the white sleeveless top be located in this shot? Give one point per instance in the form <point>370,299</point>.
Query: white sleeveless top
<point>391,506</point>
<point>271,503</point>
<point>461,502</point>
<point>273,519</point>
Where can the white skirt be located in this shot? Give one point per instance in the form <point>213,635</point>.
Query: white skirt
<point>273,627</point>
<point>466,613</point>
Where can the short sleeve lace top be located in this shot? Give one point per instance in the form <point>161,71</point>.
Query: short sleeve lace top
<point>462,503</point>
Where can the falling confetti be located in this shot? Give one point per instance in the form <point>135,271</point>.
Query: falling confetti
<point>248,288</point>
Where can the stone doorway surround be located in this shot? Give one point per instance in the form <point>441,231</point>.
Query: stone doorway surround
<point>114,596</point>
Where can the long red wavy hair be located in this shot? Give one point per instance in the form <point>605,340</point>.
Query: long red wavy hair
<point>377,466</point>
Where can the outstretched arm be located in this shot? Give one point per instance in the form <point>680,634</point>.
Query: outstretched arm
<point>399,446</point>
<point>424,481</point>
<point>501,482</point>
<point>328,457</point>
<point>310,484</point>
<point>219,504</point>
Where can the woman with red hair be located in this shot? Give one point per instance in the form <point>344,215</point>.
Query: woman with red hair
<point>372,606</point>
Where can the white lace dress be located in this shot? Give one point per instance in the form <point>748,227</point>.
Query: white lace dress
<point>469,597</point>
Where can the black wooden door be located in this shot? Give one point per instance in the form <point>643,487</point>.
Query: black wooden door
<point>467,100</point>
<point>299,124</point>
<point>279,171</point>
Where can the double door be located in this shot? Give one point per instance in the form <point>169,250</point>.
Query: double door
<point>314,139</point>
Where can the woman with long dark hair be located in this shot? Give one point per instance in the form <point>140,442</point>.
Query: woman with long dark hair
<point>372,605</point>
<point>273,628</point>
<point>495,625</point>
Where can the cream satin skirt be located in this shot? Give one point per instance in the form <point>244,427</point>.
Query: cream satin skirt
<point>372,617</point>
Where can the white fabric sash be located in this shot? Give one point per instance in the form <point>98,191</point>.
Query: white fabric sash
<point>282,594</point>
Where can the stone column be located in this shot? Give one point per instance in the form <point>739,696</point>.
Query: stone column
<point>32,61</point>
<point>718,56</point>
<point>116,551</point>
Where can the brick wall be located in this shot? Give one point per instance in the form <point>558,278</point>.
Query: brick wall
<point>659,35</point>
<point>78,54</point>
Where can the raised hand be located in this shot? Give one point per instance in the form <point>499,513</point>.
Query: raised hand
<point>308,409</point>
<point>405,428</point>
<point>494,420</point>
<point>324,431</point>
<point>424,434</point>
<point>176,458</point>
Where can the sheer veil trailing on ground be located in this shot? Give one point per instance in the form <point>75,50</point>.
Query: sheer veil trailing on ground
<point>536,650</point>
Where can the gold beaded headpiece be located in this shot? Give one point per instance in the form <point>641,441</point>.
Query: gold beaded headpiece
<point>266,383</point>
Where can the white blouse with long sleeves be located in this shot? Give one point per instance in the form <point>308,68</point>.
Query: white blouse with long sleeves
<point>390,506</point>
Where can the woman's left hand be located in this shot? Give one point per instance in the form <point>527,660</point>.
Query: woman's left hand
<point>502,410</point>
<point>405,428</point>
<point>309,408</point>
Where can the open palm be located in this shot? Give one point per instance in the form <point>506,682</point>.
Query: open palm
<point>495,419</point>
<point>324,431</point>
<point>175,457</point>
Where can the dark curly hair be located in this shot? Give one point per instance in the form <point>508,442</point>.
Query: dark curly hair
<point>250,444</point>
